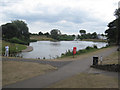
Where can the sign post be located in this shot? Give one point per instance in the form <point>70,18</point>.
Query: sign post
<point>74,51</point>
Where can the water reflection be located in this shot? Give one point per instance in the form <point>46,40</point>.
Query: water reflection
<point>55,43</point>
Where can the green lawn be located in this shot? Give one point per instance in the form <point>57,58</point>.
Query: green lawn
<point>14,48</point>
<point>40,38</point>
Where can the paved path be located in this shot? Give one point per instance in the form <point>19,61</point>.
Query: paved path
<point>66,71</point>
<point>57,64</point>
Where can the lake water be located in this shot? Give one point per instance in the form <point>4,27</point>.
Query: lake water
<point>51,50</point>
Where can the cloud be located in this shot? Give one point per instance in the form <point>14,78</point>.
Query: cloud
<point>67,15</point>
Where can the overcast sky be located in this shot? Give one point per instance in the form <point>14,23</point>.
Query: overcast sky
<point>69,16</point>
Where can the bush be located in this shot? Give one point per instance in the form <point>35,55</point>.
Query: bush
<point>94,46</point>
<point>82,51</point>
<point>88,48</point>
<point>33,40</point>
<point>16,40</point>
<point>68,53</point>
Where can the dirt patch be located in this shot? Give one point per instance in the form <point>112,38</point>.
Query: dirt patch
<point>14,71</point>
<point>84,80</point>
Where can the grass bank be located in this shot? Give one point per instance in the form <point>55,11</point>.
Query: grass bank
<point>85,80</point>
<point>83,55</point>
<point>112,58</point>
<point>80,52</point>
<point>14,48</point>
<point>0,73</point>
<point>95,40</point>
<point>40,38</point>
<point>14,71</point>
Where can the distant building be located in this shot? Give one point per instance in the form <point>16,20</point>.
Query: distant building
<point>102,37</point>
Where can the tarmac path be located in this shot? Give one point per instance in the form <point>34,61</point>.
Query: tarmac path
<point>57,64</point>
<point>67,70</point>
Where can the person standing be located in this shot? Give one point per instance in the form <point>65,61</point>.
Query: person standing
<point>7,50</point>
<point>101,59</point>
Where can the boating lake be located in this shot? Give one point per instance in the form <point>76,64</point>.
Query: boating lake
<point>51,50</point>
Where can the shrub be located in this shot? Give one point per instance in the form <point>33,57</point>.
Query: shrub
<point>16,40</point>
<point>82,51</point>
<point>62,54</point>
<point>69,53</point>
<point>33,40</point>
<point>88,48</point>
<point>43,57</point>
<point>94,46</point>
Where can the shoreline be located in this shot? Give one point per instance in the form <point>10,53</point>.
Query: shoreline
<point>28,49</point>
<point>69,58</point>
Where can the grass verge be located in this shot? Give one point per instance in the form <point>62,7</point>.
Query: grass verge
<point>14,71</point>
<point>95,40</point>
<point>0,72</point>
<point>84,80</point>
<point>40,38</point>
<point>111,59</point>
<point>14,48</point>
<point>79,52</point>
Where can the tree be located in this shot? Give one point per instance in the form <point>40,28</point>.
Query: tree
<point>73,35</point>
<point>94,35</point>
<point>9,31</point>
<point>82,32</point>
<point>113,32</point>
<point>40,33</point>
<point>89,36</point>
<point>23,31</point>
<point>16,29</point>
<point>102,35</point>
<point>117,14</point>
<point>47,34</point>
<point>55,33</point>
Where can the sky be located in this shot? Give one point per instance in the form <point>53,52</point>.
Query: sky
<point>69,16</point>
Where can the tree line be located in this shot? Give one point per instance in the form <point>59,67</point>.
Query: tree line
<point>16,32</point>
<point>56,35</point>
<point>84,35</point>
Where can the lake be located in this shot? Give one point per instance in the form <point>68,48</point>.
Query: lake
<point>51,50</point>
